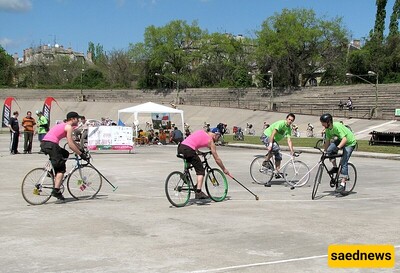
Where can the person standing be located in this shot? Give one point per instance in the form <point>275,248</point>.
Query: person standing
<point>14,133</point>
<point>43,125</point>
<point>28,122</point>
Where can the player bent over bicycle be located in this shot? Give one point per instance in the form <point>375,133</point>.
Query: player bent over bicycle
<point>50,146</point>
<point>343,139</point>
<point>188,149</point>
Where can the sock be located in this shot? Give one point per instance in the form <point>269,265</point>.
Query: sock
<point>198,190</point>
<point>343,184</point>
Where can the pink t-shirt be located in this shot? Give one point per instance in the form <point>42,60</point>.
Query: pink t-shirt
<point>198,139</point>
<point>56,133</point>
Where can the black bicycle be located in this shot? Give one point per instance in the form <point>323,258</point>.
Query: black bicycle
<point>334,180</point>
<point>179,185</point>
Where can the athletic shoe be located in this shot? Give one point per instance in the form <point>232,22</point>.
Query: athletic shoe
<point>279,175</point>
<point>340,189</point>
<point>265,163</point>
<point>333,170</point>
<point>57,194</point>
<point>201,195</point>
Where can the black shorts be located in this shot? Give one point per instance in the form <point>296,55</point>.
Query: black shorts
<point>58,156</point>
<point>192,157</point>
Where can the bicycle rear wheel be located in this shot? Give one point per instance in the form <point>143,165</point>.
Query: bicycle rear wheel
<point>177,189</point>
<point>216,185</point>
<point>259,173</point>
<point>296,173</point>
<point>37,186</point>
<point>351,183</point>
<point>317,181</point>
<point>84,182</point>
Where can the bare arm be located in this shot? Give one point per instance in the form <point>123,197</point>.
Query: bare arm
<point>290,144</point>
<point>342,143</point>
<point>217,159</point>
<point>70,140</point>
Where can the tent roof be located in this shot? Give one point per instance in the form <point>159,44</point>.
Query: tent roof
<point>150,107</point>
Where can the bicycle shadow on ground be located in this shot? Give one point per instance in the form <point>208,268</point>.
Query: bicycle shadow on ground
<point>333,193</point>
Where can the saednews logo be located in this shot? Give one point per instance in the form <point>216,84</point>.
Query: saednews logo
<point>377,256</point>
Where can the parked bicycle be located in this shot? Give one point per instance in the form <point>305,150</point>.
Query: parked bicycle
<point>294,171</point>
<point>179,185</point>
<point>334,180</point>
<point>83,181</point>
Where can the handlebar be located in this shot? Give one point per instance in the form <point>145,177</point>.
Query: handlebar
<point>325,155</point>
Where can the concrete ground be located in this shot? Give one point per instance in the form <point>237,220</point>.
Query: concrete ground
<point>135,229</point>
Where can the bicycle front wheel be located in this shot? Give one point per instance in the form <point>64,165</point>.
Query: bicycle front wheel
<point>351,183</point>
<point>84,182</point>
<point>320,144</point>
<point>216,185</point>
<point>37,186</point>
<point>317,181</point>
<point>177,189</point>
<point>296,173</point>
<point>259,173</point>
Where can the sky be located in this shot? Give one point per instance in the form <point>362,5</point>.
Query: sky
<point>115,24</point>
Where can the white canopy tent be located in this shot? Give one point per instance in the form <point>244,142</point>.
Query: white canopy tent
<point>150,107</point>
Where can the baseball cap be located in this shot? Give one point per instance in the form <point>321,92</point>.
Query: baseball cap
<point>215,131</point>
<point>38,112</point>
<point>73,115</point>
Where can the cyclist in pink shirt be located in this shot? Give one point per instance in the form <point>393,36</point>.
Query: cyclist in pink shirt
<point>58,156</point>
<point>188,148</point>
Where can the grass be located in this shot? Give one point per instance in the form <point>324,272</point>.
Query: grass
<point>363,145</point>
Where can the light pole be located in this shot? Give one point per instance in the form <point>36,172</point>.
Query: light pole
<point>361,77</point>
<point>271,98</point>
<point>271,81</point>
<point>177,86</point>
<point>170,79</point>
<point>83,70</point>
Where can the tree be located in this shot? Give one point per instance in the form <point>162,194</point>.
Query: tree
<point>296,42</point>
<point>7,70</point>
<point>394,20</point>
<point>379,27</point>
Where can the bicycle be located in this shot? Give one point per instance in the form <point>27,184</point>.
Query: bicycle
<point>295,172</point>
<point>334,178</point>
<point>179,185</point>
<point>84,181</point>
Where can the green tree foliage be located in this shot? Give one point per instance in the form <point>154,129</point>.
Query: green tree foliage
<point>394,20</point>
<point>296,42</point>
<point>7,70</point>
<point>379,27</point>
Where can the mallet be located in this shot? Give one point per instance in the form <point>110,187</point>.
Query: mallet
<point>244,187</point>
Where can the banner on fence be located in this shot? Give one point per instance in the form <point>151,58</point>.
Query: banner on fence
<point>110,138</point>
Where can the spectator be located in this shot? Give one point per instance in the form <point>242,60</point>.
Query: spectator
<point>163,137</point>
<point>176,136</point>
<point>349,104</point>
<point>14,133</point>
<point>341,105</point>
<point>43,126</point>
<point>28,122</point>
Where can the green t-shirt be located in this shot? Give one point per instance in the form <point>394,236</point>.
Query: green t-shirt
<point>340,131</point>
<point>42,121</point>
<point>282,128</point>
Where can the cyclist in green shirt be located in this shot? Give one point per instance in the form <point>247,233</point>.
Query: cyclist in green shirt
<point>343,138</point>
<point>274,133</point>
